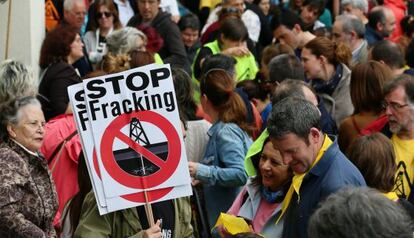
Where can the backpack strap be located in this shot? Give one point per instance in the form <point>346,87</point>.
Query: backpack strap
<point>60,147</point>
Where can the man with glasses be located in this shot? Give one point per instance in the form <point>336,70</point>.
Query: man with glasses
<point>399,108</point>
<point>74,13</point>
<point>173,50</point>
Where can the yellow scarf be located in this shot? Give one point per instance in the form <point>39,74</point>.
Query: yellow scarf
<point>298,178</point>
<point>391,196</point>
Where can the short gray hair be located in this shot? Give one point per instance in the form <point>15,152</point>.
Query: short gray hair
<point>359,212</point>
<point>16,80</point>
<point>407,82</point>
<point>351,23</point>
<point>123,40</point>
<point>289,88</point>
<point>360,4</point>
<point>68,4</point>
<point>293,115</point>
<point>285,66</point>
<point>10,113</point>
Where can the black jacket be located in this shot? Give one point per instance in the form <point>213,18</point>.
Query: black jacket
<point>53,94</point>
<point>173,50</point>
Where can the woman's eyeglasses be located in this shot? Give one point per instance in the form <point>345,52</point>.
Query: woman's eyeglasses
<point>101,14</point>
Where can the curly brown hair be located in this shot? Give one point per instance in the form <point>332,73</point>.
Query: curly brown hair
<point>56,45</point>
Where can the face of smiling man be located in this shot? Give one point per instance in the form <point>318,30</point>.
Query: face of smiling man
<point>296,152</point>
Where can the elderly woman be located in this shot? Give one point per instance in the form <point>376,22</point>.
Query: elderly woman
<point>28,201</point>
<point>125,40</point>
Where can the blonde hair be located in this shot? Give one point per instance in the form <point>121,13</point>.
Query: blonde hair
<point>115,63</point>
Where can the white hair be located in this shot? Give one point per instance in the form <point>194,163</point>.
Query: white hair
<point>360,4</point>
<point>351,23</point>
<point>16,80</point>
<point>68,4</point>
<point>123,40</point>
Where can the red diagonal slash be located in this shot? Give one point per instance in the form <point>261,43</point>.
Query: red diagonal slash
<point>141,150</point>
<point>167,167</point>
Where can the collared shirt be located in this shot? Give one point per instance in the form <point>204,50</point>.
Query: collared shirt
<point>356,51</point>
<point>358,56</point>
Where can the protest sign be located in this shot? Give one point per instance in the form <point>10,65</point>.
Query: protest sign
<point>131,133</point>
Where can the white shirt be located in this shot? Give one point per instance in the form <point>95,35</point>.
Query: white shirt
<point>318,24</point>
<point>252,22</point>
<point>170,6</point>
<point>125,11</point>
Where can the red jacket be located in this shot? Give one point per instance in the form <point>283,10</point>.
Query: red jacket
<point>64,165</point>
<point>399,8</point>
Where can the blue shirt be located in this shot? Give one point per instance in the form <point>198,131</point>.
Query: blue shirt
<point>265,114</point>
<point>222,168</point>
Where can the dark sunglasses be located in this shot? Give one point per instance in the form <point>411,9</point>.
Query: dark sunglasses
<point>101,14</point>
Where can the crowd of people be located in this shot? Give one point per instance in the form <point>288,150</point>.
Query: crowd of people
<point>298,117</point>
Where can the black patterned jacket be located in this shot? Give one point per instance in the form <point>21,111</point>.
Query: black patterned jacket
<point>28,200</point>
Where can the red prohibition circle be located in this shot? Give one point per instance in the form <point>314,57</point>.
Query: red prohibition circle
<point>152,195</point>
<point>136,197</point>
<point>167,167</point>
